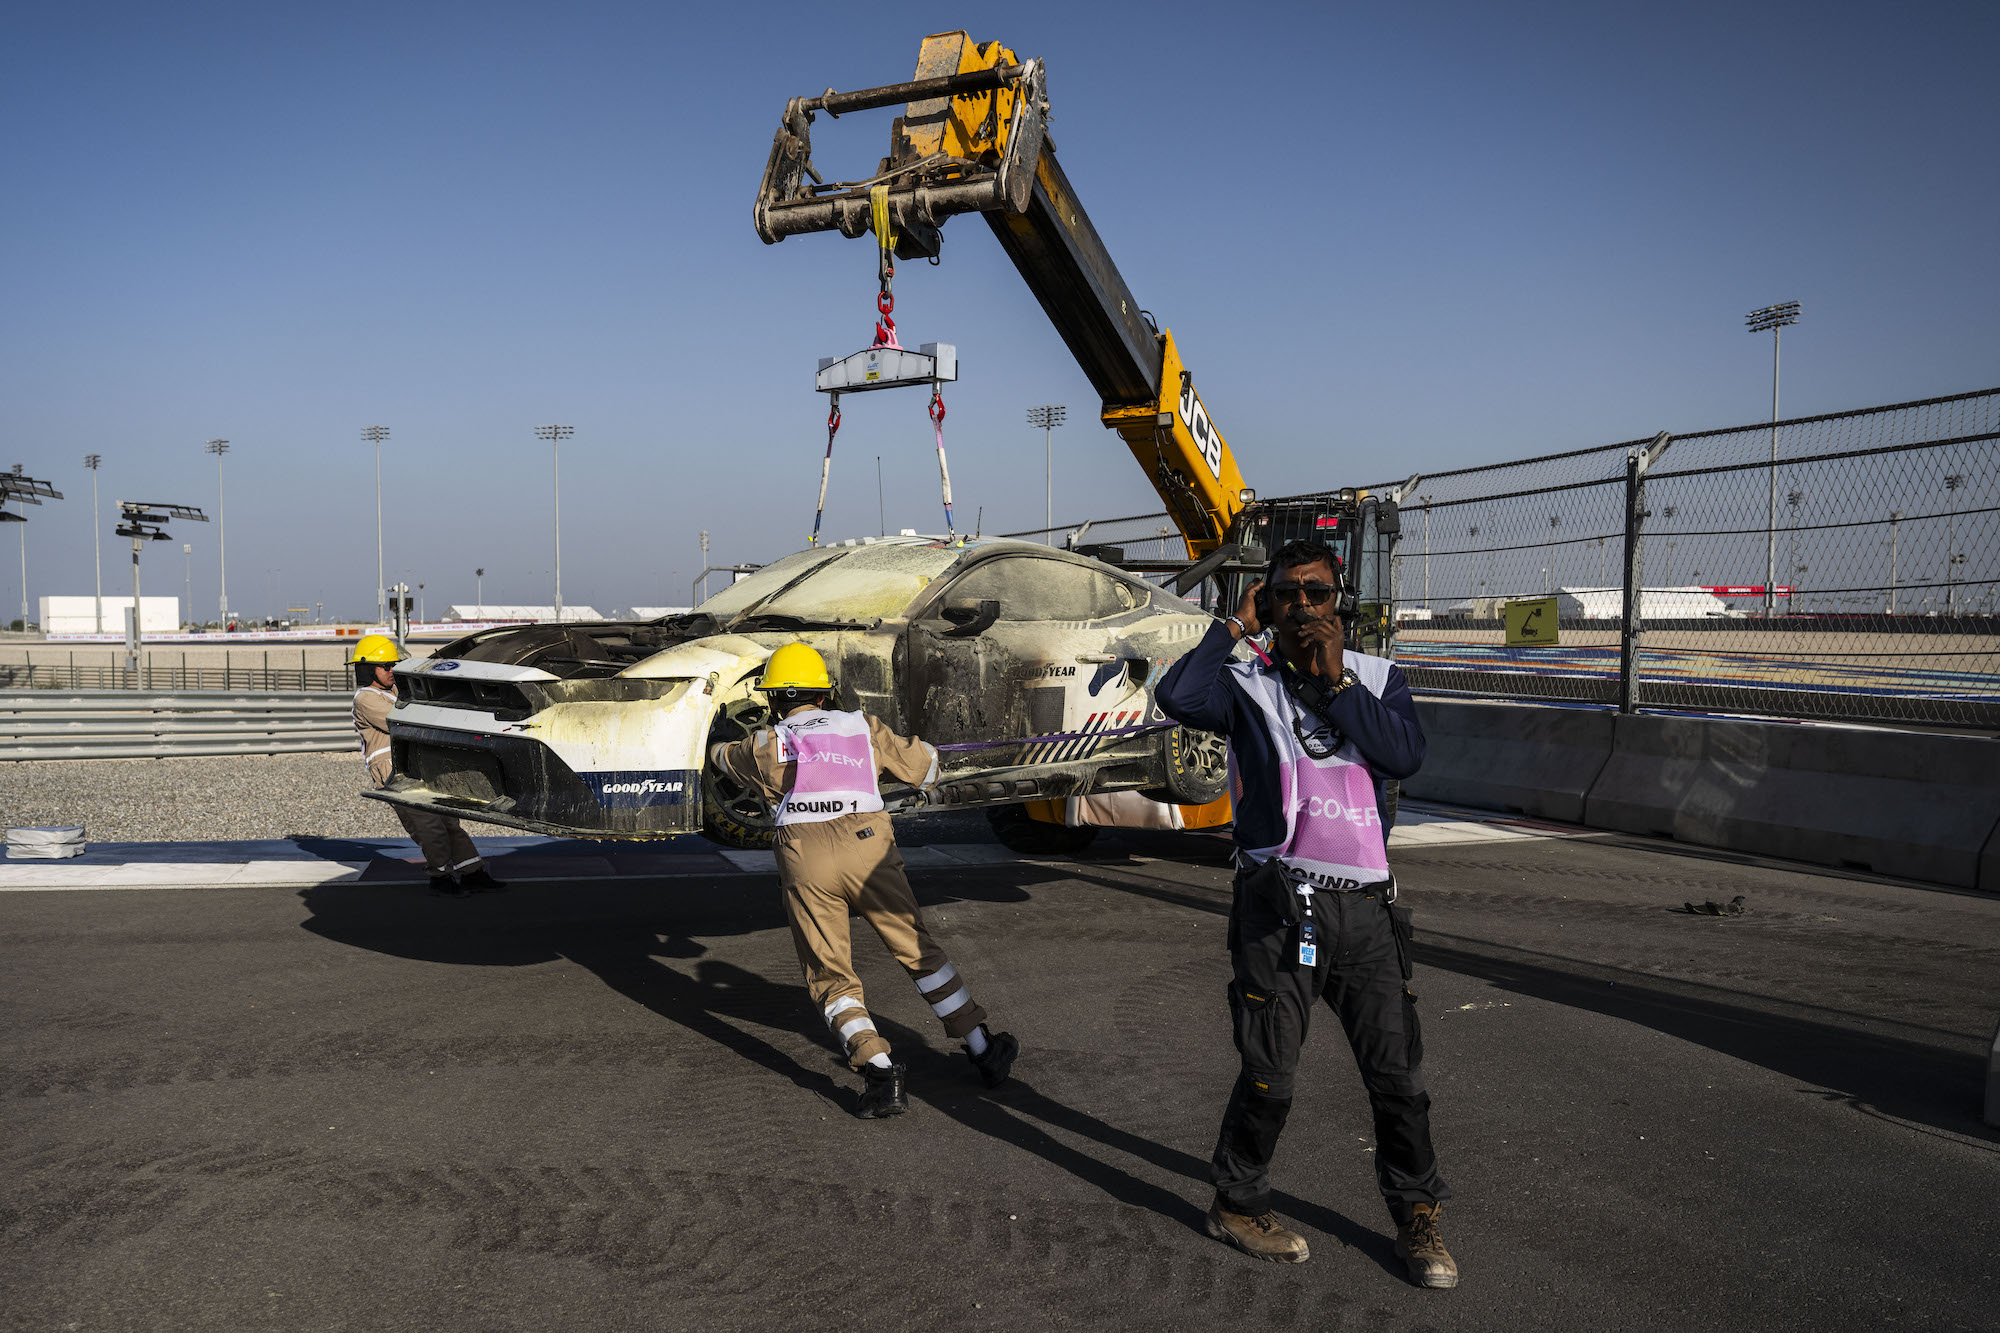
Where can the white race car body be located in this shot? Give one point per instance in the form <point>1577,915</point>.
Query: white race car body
<point>601,730</point>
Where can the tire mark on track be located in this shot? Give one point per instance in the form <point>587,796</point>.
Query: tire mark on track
<point>730,1245</point>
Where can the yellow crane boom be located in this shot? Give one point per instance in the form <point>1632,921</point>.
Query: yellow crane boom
<point>973,139</point>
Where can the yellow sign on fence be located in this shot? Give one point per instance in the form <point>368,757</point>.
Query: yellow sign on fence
<point>1531,622</point>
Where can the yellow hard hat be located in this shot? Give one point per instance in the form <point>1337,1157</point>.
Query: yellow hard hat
<point>795,667</point>
<point>377,648</point>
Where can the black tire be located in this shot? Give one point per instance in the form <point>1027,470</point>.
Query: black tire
<point>1196,765</point>
<point>1018,832</point>
<point>731,813</point>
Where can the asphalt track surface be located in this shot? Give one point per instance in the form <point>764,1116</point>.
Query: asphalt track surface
<point>609,1106</point>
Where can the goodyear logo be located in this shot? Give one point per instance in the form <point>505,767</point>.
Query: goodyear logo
<point>638,789</point>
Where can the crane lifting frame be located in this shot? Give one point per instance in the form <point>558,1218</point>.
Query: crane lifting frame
<point>887,368</point>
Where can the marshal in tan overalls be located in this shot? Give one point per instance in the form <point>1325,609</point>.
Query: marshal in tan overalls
<point>838,867</point>
<point>446,848</point>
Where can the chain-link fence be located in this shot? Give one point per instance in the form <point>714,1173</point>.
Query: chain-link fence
<point>1138,536</point>
<point>1843,566</point>
<point>1836,566</point>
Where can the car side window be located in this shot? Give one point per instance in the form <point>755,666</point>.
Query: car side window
<point>1031,589</point>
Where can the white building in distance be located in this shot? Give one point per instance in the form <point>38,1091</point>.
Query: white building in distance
<point>78,615</point>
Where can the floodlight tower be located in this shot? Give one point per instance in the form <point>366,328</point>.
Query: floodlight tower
<point>144,522</point>
<point>91,461</point>
<point>219,448</point>
<point>479,589</point>
<point>1045,419</point>
<point>19,471</point>
<point>555,435</point>
<point>1952,558</point>
<point>1774,318</point>
<point>377,434</point>
<point>25,490</point>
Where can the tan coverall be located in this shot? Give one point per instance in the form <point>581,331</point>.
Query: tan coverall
<point>849,865</point>
<point>446,849</point>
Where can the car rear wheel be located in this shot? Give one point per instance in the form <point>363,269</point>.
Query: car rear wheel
<point>731,813</point>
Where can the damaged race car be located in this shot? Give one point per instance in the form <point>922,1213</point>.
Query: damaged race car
<point>1035,666</point>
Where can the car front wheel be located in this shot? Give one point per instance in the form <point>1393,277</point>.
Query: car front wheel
<point>731,813</point>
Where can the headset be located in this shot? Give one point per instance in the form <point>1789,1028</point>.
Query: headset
<point>1346,604</point>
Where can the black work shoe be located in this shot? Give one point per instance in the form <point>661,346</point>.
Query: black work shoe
<point>444,886</point>
<point>883,1094</point>
<point>482,881</point>
<point>1260,1237</point>
<point>993,1067</point>
<point>1419,1245</point>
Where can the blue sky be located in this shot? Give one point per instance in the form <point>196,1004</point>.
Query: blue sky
<point>1387,238</point>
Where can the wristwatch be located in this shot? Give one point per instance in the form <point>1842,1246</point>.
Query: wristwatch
<point>1346,678</point>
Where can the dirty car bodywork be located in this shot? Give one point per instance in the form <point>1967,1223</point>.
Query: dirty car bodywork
<point>601,730</point>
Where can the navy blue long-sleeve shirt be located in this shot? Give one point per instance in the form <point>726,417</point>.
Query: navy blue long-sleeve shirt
<point>1199,691</point>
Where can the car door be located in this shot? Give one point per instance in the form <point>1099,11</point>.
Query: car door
<point>1018,646</point>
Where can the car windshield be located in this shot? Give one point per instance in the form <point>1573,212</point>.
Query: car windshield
<point>831,585</point>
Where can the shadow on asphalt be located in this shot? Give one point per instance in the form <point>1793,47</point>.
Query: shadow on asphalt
<point>620,931</point>
<point>1893,1076</point>
<point>1904,1079</point>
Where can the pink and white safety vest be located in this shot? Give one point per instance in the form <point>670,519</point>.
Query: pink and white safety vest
<point>837,768</point>
<point>1333,831</point>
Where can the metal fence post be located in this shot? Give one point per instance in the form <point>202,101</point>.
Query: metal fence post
<point>1631,619</point>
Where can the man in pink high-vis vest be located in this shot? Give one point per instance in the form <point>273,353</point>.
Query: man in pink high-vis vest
<point>819,770</point>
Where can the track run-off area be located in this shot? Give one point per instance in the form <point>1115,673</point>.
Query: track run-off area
<point>597,1102</point>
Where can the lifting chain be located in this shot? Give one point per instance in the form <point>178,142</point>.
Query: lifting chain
<point>885,266</point>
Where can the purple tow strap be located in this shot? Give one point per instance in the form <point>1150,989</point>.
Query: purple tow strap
<point>1064,736</point>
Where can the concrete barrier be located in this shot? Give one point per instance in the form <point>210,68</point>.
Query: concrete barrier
<point>1529,758</point>
<point>1911,804</point>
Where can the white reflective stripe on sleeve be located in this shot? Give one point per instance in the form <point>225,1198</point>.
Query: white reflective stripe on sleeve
<point>372,754</point>
<point>840,1006</point>
<point>937,980</point>
<point>854,1025</point>
<point>951,1004</point>
<point>930,778</point>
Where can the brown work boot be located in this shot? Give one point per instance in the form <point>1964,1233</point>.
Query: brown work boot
<point>1419,1245</point>
<point>1260,1237</point>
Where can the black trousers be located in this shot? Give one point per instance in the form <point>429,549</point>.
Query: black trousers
<point>1359,973</point>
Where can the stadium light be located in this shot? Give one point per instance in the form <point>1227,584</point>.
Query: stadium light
<point>144,522</point>
<point>219,448</point>
<point>91,461</point>
<point>25,490</point>
<point>1045,419</point>
<point>555,435</point>
<point>1773,318</point>
<point>377,434</point>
